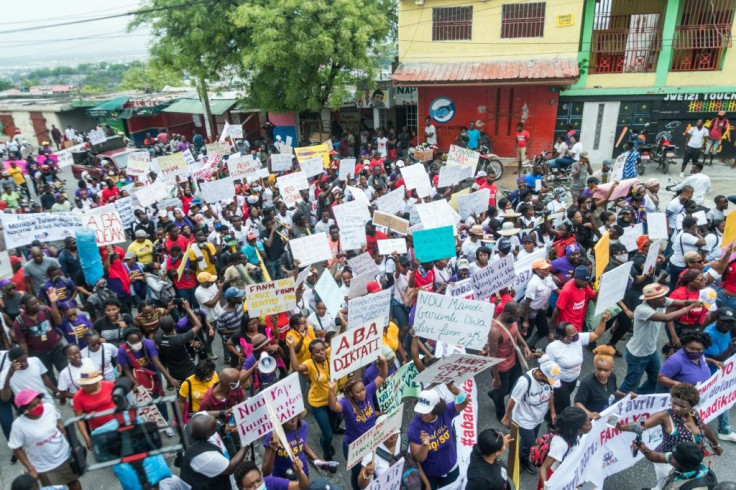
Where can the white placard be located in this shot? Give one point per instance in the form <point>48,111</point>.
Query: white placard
<point>475,202</point>
<point>312,166</point>
<point>358,284</point>
<point>310,249</point>
<point>363,309</point>
<point>415,176</point>
<point>151,194</point>
<point>281,162</point>
<point>387,247</point>
<point>329,292</point>
<point>235,131</point>
<point>354,349</point>
<point>347,169</point>
<point>352,233</point>
<point>268,298</point>
<point>631,234</point>
<point>393,202</point>
<point>22,229</point>
<point>172,165</point>
<point>451,175</point>
<point>652,254</point>
<point>296,179</point>
<point>386,425</point>
<point>613,287</point>
<point>138,163</point>
<point>216,190</point>
<point>124,207</point>
<point>462,156</point>
<point>243,166</point>
<point>700,216</point>
<point>437,214</point>
<point>454,320</point>
<point>6,268</point>
<point>348,211</point>
<point>189,158</point>
<point>462,289</point>
<point>391,478</point>
<point>357,194</point>
<point>363,264</point>
<point>498,275</point>
<point>657,226</point>
<point>303,274</point>
<point>456,368</point>
<point>97,136</point>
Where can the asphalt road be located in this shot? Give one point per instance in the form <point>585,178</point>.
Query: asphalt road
<point>639,476</point>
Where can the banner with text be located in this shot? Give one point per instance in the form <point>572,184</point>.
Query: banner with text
<point>354,349</point>
<point>269,298</point>
<point>454,320</point>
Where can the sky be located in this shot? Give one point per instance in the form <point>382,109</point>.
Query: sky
<point>102,40</point>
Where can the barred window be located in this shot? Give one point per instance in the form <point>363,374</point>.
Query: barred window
<point>522,20</point>
<point>704,34</point>
<point>452,23</point>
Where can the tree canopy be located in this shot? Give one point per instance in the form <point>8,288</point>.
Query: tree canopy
<point>141,76</point>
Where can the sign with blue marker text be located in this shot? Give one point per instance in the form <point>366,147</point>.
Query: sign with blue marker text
<point>434,244</point>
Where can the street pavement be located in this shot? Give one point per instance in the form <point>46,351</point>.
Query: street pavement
<point>639,476</point>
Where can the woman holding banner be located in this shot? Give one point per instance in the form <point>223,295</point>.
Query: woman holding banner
<point>571,425</point>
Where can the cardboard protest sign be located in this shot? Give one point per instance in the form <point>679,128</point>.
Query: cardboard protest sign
<point>358,285</point>
<point>242,166</point>
<point>657,226</point>
<point>106,223</point>
<point>397,387</point>
<point>434,244</point>
<point>138,163</point>
<point>475,202</point>
<point>456,368</point>
<point>6,267</point>
<point>362,264</point>
<point>150,413</point>
<point>352,233</point>
<point>354,349</point>
<point>390,221</point>
<point>215,190</point>
<point>329,292</point>
<point>613,286</point>
<point>392,202</point>
<point>461,289</point>
<point>172,165</point>
<point>268,298</point>
<point>347,169</point>
<point>494,277</point>
<point>631,234</point>
<point>454,320</point>
<point>387,247</point>
<point>251,416</point>
<point>371,439</point>
<point>451,175</point>
<point>289,185</point>
<point>651,261</point>
<point>151,194</point>
<point>124,207</point>
<point>22,229</point>
<point>310,249</point>
<point>312,166</point>
<point>281,162</point>
<point>352,209</point>
<point>306,152</point>
<point>391,478</point>
<point>462,156</point>
<point>364,309</point>
<point>415,176</point>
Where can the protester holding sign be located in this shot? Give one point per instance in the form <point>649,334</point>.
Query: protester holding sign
<point>598,390</point>
<point>276,458</point>
<point>572,423</point>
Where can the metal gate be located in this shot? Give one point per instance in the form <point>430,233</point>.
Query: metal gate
<point>39,127</point>
<point>8,124</point>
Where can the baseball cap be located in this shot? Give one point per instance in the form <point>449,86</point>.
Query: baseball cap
<point>540,263</point>
<point>584,154</point>
<point>400,163</point>
<point>232,292</point>
<point>251,235</point>
<point>463,264</point>
<point>373,287</point>
<point>581,272</point>
<point>130,255</point>
<point>230,240</point>
<point>551,370</point>
<point>428,399</point>
<point>141,234</point>
<point>25,397</point>
<point>726,314</point>
<point>206,277</point>
<point>196,202</point>
<point>504,245</point>
<point>481,174</point>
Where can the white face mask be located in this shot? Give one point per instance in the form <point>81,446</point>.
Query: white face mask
<point>136,347</point>
<point>621,257</point>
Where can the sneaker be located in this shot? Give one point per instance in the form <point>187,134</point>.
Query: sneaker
<point>211,356</point>
<point>528,467</point>
<point>727,437</point>
<point>169,432</point>
<point>682,174</point>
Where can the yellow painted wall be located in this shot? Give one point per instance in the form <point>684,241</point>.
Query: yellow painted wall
<point>619,80</point>
<point>416,45</point>
<point>724,76</point>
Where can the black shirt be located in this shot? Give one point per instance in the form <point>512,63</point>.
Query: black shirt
<point>483,475</point>
<point>276,249</point>
<point>112,331</point>
<point>172,350</point>
<point>593,395</point>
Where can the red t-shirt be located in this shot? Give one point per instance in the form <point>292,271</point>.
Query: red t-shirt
<point>210,402</point>
<point>493,189</point>
<point>186,201</point>
<point>180,240</point>
<point>729,278</point>
<point>109,195</point>
<point>560,245</point>
<point>572,303</point>
<point>187,280</point>
<point>86,403</point>
<point>694,317</point>
<point>522,138</point>
<point>426,282</point>
<point>371,241</point>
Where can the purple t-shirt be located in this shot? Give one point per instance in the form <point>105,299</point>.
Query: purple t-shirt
<point>682,369</point>
<point>359,417</point>
<point>441,457</point>
<point>276,483</point>
<point>371,372</point>
<point>263,378</point>
<point>145,355</point>
<point>297,439</point>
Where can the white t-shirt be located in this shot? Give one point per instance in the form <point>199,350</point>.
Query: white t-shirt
<point>568,356</point>
<point>469,247</point>
<point>381,143</point>
<point>674,209</point>
<point>700,184</point>
<point>69,376</point>
<point>41,440</point>
<point>576,149</point>
<point>430,134</point>
<point>539,290</point>
<point>106,352</point>
<point>530,402</point>
<point>681,244</point>
<point>697,136</point>
<point>26,378</point>
<point>205,295</point>
<point>558,449</point>
<point>646,332</point>
<point>381,464</point>
<point>211,463</point>
<point>475,267</point>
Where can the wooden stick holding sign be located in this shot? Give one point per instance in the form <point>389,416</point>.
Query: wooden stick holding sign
<point>278,431</point>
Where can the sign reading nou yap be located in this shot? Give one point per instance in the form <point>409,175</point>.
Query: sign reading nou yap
<point>453,320</point>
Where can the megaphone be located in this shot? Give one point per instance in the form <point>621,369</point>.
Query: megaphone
<point>266,364</point>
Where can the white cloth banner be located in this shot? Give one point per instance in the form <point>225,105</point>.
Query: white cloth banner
<point>523,270</point>
<point>22,229</point>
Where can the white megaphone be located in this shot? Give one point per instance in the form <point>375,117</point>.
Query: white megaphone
<point>266,364</point>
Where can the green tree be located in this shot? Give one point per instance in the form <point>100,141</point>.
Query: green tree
<point>140,76</point>
<point>302,54</point>
<point>5,85</point>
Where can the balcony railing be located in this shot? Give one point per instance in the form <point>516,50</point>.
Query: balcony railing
<point>700,47</point>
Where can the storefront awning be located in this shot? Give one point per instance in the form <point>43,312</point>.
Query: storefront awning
<point>532,72</point>
<point>108,108</point>
<point>218,107</point>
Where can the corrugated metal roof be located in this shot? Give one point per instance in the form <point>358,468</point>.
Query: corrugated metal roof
<point>541,71</point>
<point>218,107</point>
<point>115,104</point>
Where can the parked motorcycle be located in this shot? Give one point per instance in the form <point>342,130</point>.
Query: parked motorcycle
<point>664,153</point>
<point>644,157</point>
<point>489,160</point>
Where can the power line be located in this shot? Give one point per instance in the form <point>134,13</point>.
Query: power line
<point>76,16</point>
<point>49,41</point>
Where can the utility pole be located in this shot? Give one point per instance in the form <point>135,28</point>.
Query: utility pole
<point>204,98</point>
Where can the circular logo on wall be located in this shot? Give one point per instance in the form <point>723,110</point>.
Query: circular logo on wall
<point>442,110</point>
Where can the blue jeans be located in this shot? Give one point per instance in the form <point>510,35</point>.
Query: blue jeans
<point>188,294</point>
<point>635,368</point>
<point>725,300</point>
<point>6,417</point>
<point>327,421</point>
<point>724,424</point>
<point>558,163</point>
<point>274,269</point>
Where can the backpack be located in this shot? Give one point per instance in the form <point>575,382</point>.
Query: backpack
<point>540,449</point>
<point>410,479</point>
<point>708,480</point>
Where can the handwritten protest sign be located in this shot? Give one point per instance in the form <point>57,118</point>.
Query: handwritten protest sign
<point>329,292</point>
<point>251,416</point>
<point>148,413</point>
<point>138,163</point>
<point>373,437</point>
<point>363,264</point>
<point>359,285</point>
<point>451,175</point>
<point>172,165</point>
<point>354,349</point>
<point>397,387</point>
<point>151,194</point>
<point>366,308</point>
<point>496,276</point>
<point>475,202</point>
<point>393,202</point>
<point>242,166</point>
<point>207,169</point>
<point>651,261</point>
<point>310,249</point>
<point>290,185</point>
<point>352,209</point>
<point>347,169</point>
<point>454,320</point>
<point>312,166</point>
<point>306,152</point>
<point>281,162</point>
<point>456,368</point>
<point>106,223</point>
<point>387,247</point>
<point>462,156</point>
<point>415,176</point>
<point>352,233</point>
<point>215,190</point>
<point>390,221</point>
<point>124,207</point>
<point>523,271</point>
<point>657,226</point>
<point>434,244</point>
<point>189,158</point>
<point>436,214</point>
<point>631,234</point>
<point>97,136</point>
<point>235,131</point>
<point>221,148</point>
<point>65,157</point>
<point>461,289</point>
<point>613,287</point>
<point>268,298</point>
<point>391,478</point>
<point>22,229</point>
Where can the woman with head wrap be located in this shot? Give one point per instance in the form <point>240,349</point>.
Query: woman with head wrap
<point>563,267</point>
<point>636,201</point>
<point>651,201</point>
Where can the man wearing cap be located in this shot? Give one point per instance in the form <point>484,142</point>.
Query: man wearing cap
<point>720,350</point>
<point>718,127</point>
<point>228,323</point>
<point>142,222</point>
<point>573,300</point>
<point>534,309</point>
<point>141,248</point>
<point>641,350</point>
<point>38,441</point>
<point>579,172</point>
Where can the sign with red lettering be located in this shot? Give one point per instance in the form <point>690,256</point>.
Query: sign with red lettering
<point>456,368</point>
<point>251,416</point>
<point>107,224</point>
<point>268,298</point>
<point>386,425</point>
<point>355,348</point>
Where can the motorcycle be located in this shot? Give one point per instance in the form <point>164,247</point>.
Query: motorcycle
<point>664,153</point>
<point>644,157</point>
<point>488,160</point>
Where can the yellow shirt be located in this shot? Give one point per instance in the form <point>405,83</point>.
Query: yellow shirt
<point>206,258</point>
<point>144,251</point>
<point>319,376</point>
<point>17,175</point>
<point>302,354</point>
<point>199,388</point>
<point>391,336</point>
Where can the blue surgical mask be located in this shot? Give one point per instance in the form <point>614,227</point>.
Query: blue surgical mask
<point>575,338</point>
